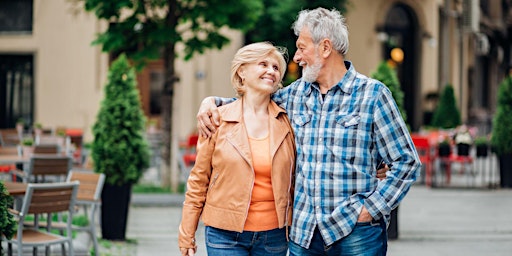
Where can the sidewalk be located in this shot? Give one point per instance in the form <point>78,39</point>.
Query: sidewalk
<point>432,222</point>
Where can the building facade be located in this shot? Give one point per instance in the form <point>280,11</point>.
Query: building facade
<point>50,73</point>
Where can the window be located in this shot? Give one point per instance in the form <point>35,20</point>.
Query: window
<point>16,16</point>
<point>16,90</point>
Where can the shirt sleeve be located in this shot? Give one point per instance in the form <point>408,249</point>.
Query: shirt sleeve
<point>282,96</point>
<point>219,101</point>
<point>394,145</point>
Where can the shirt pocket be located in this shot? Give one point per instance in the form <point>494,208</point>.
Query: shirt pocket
<point>303,130</point>
<point>346,137</point>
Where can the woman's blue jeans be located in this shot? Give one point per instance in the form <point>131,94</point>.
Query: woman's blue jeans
<point>367,239</point>
<point>221,242</point>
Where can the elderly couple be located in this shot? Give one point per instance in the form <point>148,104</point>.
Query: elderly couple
<point>294,169</point>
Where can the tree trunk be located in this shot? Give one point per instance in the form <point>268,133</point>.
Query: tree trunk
<point>168,97</point>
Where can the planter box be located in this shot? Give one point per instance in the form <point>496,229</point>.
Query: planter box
<point>463,149</point>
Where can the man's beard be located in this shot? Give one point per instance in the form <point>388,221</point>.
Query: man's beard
<point>310,73</point>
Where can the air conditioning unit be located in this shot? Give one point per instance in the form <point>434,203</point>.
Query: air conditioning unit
<point>471,15</point>
<point>482,45</point>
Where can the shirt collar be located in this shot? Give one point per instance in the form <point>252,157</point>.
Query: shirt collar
<point>346,84</point>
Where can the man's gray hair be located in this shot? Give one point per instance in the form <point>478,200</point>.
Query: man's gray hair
<point>323,23</point>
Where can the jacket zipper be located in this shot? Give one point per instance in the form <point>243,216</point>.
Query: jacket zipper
<point>288,201</point>
<point>214,179</point>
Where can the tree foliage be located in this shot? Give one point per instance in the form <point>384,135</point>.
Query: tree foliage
<point>7,222</point>
<point>278,17</point>
<point>141,28</point>
<point>446,114</point>
<point>151,29</point>
<point>387,75</point>
<point>501,139</point>
<point>119,149</point>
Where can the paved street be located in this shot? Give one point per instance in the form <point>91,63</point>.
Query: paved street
<point>432,222</point>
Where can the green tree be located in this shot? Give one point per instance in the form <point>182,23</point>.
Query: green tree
<point>387,75</point>
<point>151,29</point>
<point>501,139</point>
<point>7,222</point>
<point>278,17</point>
<point>119,149</point>
<point>446,115</point>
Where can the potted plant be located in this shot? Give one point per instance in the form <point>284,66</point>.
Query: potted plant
<point>27,145</point>
<point>7,221</point>
<point>501,137</point>
<point>119,149</point>
<point>38,129</point>
<point>482,146</point>
<point>444,148</point>
<point>20,124</point>
<point>463,140</point>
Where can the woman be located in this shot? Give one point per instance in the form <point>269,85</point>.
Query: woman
<point>241,183</point>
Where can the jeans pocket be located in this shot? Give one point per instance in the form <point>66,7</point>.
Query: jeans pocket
<point>275,242</point>
<point>219,238</point>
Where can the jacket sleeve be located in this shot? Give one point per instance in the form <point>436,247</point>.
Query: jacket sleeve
<point>197,187</point>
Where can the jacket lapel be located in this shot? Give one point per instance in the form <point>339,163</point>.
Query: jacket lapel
<point>278,128</point>
<point>238,135</point>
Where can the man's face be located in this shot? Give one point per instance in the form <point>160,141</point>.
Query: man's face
<point>307,56</point>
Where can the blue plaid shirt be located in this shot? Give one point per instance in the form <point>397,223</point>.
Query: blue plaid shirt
<point>340,141</point>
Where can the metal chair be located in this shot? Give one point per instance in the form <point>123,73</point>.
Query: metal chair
<point>425,154</point>
<point>48,199</point>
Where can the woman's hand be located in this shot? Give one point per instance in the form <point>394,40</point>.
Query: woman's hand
<point>187,251</point>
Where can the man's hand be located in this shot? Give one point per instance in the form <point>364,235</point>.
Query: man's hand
<point>364,216</point>
<point>208,118</point>
<point>381,173</point>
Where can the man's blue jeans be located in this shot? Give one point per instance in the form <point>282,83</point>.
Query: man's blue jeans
<point>367,239</point>
<point>221,242</point>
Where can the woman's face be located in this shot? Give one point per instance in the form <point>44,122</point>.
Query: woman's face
<point>262,76</point>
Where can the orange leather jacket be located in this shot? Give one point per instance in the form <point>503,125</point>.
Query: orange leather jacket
<point>220,185</point>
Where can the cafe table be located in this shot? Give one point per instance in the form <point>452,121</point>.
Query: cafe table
<point>14,159</point>
<point>15,188</point>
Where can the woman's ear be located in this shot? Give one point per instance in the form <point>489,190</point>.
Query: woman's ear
<point>240,71</point>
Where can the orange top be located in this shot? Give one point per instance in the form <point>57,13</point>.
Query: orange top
<point>262,214</point>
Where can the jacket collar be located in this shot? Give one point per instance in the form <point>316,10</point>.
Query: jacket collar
<point>238,136</point>
<point>234,111</point>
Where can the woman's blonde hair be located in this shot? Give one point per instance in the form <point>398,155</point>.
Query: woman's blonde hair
<point>252,53</point>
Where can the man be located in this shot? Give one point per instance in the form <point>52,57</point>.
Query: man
<point>345,124</point>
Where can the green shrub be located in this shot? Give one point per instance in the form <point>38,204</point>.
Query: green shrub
<point>7,222</point>
<point>387,75</point>
<point>119,149</point>
<point>446,115</point>
<point>501,139</point>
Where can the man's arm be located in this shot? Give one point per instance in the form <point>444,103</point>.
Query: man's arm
<point>395,143</point>
<point>208,118</point>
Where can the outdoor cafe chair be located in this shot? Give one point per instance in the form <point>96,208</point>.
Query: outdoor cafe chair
<point>89,200</point>
<point>42,166</point>
<point>47,149</point>
<point>44,199</point>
